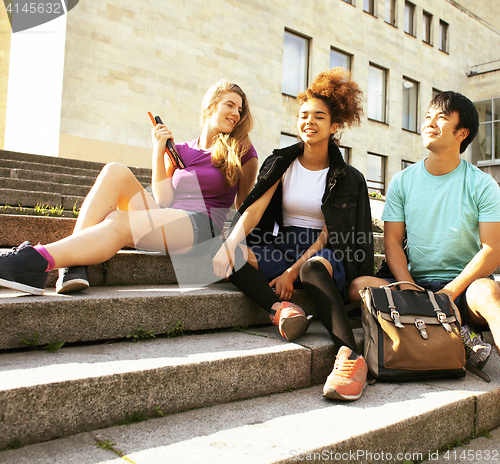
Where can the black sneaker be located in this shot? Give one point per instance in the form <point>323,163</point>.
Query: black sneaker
<point>72,279</point>
<point>23,268</point>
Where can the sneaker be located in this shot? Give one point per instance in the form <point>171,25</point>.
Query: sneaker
<point>72,279</point>
<point>23,269</point>
<point>477,352</point>
<point>348,378</point>
<point>291,320</point>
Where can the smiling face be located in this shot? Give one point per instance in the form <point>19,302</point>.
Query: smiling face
<point>314,122</point>
<point>227,113</point>
<point>439,133</point>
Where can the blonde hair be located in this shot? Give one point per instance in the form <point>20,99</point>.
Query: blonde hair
<point>228,148</point>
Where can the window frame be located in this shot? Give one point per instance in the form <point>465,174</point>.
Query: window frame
<point>411,23</point>
<point>305,72</point>
<point>491,128</point>
<point>371,7</point>
<point>290,136</point>
<point>415,127</point>
<point>375,185</point>
<point>384,96</point>
<point>427,31</point>
<point>349,56</point>
<point>444,26</point>
<point>393,11</point>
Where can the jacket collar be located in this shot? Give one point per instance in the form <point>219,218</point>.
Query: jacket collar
<point>337,163</point>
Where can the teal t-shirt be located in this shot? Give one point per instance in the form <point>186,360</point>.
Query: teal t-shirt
<point>442,215</point>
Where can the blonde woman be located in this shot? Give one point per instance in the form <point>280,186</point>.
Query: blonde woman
<point>188,206</point>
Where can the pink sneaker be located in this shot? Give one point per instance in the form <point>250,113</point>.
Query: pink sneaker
<point>291,320</point>
<point>348,378</point>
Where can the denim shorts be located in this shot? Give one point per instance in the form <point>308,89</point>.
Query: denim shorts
<point>203,231</point>
<point>287,247</point>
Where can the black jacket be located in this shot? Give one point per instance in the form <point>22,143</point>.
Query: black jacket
<point>345,206</point>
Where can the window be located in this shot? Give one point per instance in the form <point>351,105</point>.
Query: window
<point>377,83</point>
<point>426,27</point>
<point>375,173</point>
<point>287,139</point>
<point>443,36</point>
<point>405,164</point>
<point>348,1</point>
<point>369,6</point>
<point>486,146</point>
<point>409,18</point>
<point>390,12</point>
<point>435,92</point>
<point>295,64</point>
<point>340,59</point>
<point>345,151</point>
<point>410,99</point>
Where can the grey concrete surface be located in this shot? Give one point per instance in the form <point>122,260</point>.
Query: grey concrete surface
<point>481,450</point>
<point>389,423</point>
<point>47,395</point>
<point>103,313</point>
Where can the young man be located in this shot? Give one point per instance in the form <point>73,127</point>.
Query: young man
<point>450,211</point>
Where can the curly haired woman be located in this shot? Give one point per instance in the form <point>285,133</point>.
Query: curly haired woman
<point>308,220</point>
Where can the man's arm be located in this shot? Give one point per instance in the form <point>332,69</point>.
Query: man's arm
<point>394,253</point>
<point>484,262</point>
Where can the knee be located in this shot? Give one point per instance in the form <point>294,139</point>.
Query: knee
<point>482,290</point>
<point>358,284</point>
<point>114,171</point>
<point>120,219</point>
<point>309,268</point>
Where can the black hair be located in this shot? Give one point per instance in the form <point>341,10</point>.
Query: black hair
<point>449,102</point>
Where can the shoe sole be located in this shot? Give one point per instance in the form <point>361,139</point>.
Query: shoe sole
<point>334,395</point>
<point>21,287</point>
<point>74,286</point>
<point>294,327</point>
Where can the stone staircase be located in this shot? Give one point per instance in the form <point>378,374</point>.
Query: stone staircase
<point>201,363</point>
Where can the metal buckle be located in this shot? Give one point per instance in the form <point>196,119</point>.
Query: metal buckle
<point>442,318</point>
<point>420,325</point>
<point>396,318</point>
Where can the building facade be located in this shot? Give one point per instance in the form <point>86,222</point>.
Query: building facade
<point>84,84</point>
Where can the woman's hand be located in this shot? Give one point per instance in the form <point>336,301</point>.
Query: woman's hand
<point>223,261</point>
<point>284,285</point>
<point>159,135</point>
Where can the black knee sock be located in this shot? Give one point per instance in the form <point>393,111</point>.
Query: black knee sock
<point>252,283</point>
<point>328,302</point>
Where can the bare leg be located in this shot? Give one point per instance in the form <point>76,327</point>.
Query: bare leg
<point>360,283</point>
<point>115,187</point>
<point>166,230</point>
<point>483,299</point>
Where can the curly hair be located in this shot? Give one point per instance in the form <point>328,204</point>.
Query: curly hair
<point>341,95</point>
<point>228,148</point>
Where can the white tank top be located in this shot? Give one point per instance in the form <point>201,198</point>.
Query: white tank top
<point>302,193</point>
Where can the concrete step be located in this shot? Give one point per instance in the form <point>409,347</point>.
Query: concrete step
<point>388,424</point>
<point>105,313</point>
<point>31,199</point>
<point>43,186</point>
<point>81,388</point>
<point>53,173</point>
<point>27,159</point>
